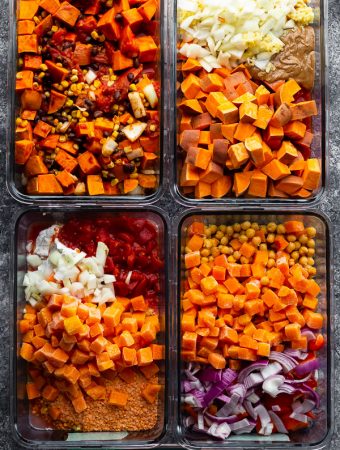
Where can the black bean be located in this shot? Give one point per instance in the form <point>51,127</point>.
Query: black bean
<point>128,168</point>
<point>106,134</point>
<point>117,95</point>
<point>131,76</point>
<point>118,17</point>
<point>136,63</point>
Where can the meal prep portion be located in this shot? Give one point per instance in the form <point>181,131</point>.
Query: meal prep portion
<point>88,92</point>
<point>245,99</point>
<point>90,331</point>
<point>250,329</point>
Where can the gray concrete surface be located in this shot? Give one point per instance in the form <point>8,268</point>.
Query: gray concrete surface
<point>9,208</point>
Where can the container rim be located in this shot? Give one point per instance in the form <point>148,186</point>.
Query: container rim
<point>249,445</point>
<point>26,199</point>
<point>106,444</point>
<point>313,200</point>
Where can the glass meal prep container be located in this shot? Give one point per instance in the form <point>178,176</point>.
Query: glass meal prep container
<point>29,429</point>
<point>319,434</point>
<point>261,189</point>
<point>107,178</point>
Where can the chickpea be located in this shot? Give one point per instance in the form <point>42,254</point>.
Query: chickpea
<point>311,243</point>
<point>227,250</point>
<point>303,260</point>
<point>207,231</point>
<point>281,229</point>
<point>256,241</point>
<point>270,263</point>
<point>312,271</point>
<point>224,240</point>
<point>303,250</point>
<point>237,227</point>
<point>271,238</point>
<point>214,242</point>
<point>291,238</point>
<point>311,232</point>
<point>211,258</point>
<point>222,228</point>
<point>291,262</point>
<point>271,254</point>
<point>204,260</point>
<point>215,251</point>
<point>303,239</point>
<point>297,245</point>
<point>230,230</point>
<point>263,247</point>
<point>311,252</point>
<point>213,229</point>
<point>244,260</point>
<point>295,255</point>
<point>231,259</point>
<point>243,238</point>
<point>245,225</point>
<point>255,225</point>
<point>237,255</point>
<point>207,243</point>
<point>219,235</point>
<point>264,281</point>
<point>250,233</point>
<point>236,235</point>
<point>290,247</point>
<point>310,261</point>
<point>205,252</point>
<point>271,227</point>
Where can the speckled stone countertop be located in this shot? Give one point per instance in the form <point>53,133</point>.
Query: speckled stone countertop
<point>9,208</point>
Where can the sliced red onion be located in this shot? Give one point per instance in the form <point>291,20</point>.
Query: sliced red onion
<point>279,425</point>
<point>302,380</point>
<point>228,408</point>
<point>228,376</point>
<point>253,398</point>
<point>222,431</point>
<point>273,384</point>
<point>276,408</point>
<point>303,407</point>
<point>217,419</point>
<point>197,430</point>
<point>287,389</point>
<point>308,334</point>
<point>295,353</point>
<point>272,369</point>
<point>200,421</point>
<point>264,417</point>
<point>308,390</point>
<point>239,389</point>
<point>224,398</point>
<point>267,430</point>
<point>240,426</point>
<point>254,379</point>
<point>287,362</point>
<point>250,409</point>
<point>307,366</point>
<point>299,417</point>
<point>249,369</point>
<point>210,374</point>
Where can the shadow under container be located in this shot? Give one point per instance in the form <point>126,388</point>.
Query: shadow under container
<point>319,435</point>
<point>13,174</point>
<point>25,428</point>
<point>319,93</point>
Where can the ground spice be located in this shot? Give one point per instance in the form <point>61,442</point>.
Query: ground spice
<point>137,415</point>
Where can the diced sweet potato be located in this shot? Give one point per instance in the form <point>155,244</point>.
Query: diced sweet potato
<point>35,166</point>
<point>27,43</point>
<point>311,174</point>
<point>57,73</point>
<point>67,13</point>
<point>25,27</point>
<point>88,163</point>
<point>303,110</point>
<point>23,150</point>
<point>50,6</point>
<point>147,48</point>
<point>44,26</point>
<point>241,182</point>
<point>238,155</point>
<point>258,184</point>
<point>221,186</point>
<point>31,99</point>
<point>95,185</point>
<point>28,9</point>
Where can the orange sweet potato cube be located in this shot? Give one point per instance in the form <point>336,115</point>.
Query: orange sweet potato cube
<point>118,398</point>
<point>67,13</point>
<point>144,356</point>
<point>98,345</point>
<point>138,303</point>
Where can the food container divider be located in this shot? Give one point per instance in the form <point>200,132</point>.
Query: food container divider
<point>26,431</point>
<point>319,435</point>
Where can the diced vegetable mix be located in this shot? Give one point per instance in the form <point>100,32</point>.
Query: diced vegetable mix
<point>89,329</point>
<point>238,134</point>
<point>88,89</point>
<point>250,328</point>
